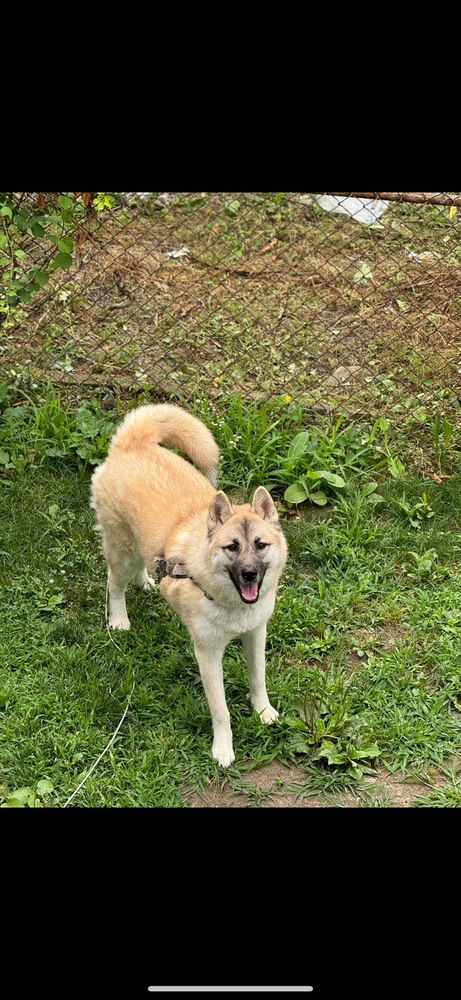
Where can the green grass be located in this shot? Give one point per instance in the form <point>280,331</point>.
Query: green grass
<point>364,658</point>
<point>448,797</point>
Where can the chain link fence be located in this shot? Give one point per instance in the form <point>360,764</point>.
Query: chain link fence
<point>346,301</point>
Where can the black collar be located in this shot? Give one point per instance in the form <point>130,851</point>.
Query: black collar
<point>167,568</point>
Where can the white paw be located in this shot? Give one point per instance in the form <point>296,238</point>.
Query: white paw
<point>148,584</point>
<point>122,624</point>
<point>268,715</point>
<point>223,754</point>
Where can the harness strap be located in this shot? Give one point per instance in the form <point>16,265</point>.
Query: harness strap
<point>168,568</point>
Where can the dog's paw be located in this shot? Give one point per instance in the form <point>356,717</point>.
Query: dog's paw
<point>120,624</point>
<point>145,582</point>
<point>268,715</point>
<point>223,754</point>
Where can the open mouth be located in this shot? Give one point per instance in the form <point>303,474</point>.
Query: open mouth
<point>248,592</point>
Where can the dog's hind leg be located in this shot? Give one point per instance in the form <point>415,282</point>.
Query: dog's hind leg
<point>118,615</point>
<point>124,564</point>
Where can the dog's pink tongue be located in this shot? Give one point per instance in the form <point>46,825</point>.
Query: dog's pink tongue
<point>250,591</point>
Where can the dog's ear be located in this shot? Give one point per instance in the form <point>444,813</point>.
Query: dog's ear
<point>263,504</point>
<point>220,510</point>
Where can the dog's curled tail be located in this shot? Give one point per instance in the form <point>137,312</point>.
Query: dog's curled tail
<point>166,424</point>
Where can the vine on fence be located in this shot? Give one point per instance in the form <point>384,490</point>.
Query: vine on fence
<point>38,237</point>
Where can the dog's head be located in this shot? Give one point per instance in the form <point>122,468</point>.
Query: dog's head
<point>247,545</point>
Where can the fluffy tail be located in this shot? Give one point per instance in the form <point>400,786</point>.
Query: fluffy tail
<point>165,424</point>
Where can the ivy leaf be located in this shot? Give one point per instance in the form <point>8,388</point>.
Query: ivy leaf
<point>66,245</point>
<point>41,277</point>
<point>36,229</point>
<point>62,260</point>
<point>65,203</point>
<point>6,211</point>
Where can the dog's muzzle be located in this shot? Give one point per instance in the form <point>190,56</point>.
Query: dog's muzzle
<point>247,581</point>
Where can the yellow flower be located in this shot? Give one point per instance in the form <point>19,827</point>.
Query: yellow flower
<point>452,212</point>
<point>287,398</point>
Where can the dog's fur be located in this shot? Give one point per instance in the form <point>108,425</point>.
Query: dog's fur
<point>151,503</point>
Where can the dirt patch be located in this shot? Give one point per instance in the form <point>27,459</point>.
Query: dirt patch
<point>393,790</point>
<point>275,787</point>
<point>366,640</point>
<point>390,635</point>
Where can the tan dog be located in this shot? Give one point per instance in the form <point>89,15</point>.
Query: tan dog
<point>151,503</point>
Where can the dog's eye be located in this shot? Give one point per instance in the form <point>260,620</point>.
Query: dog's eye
<point>261,545</point>
<point>232,547</point>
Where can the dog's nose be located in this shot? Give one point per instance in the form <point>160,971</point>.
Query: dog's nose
<point>249,574</point>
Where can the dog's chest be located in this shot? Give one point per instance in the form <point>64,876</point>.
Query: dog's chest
<point>236,621</point>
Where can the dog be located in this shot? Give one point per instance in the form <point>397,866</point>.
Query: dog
<point>222,561</point>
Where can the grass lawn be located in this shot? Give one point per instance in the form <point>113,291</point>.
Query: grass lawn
<point>364,657</point>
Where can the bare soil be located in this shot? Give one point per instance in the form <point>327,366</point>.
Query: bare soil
<point>279,782</point>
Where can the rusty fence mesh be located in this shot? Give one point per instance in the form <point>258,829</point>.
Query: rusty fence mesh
<point>349,300</point>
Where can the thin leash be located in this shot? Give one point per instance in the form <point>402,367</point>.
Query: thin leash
<point>114,734</point>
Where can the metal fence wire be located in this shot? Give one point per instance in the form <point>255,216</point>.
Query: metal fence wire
<point>338,300</point>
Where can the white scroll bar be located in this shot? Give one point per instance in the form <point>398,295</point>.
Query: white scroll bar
<point>230,989</point>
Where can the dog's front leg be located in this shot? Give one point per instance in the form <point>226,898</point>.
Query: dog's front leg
<point>211,672</point>
<point>254,644</point>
